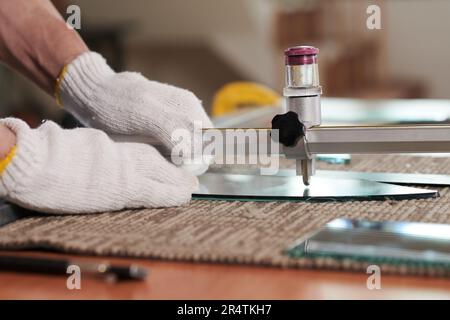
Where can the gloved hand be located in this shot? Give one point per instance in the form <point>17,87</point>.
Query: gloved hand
<point>128,104</point>
<point>84,171</point>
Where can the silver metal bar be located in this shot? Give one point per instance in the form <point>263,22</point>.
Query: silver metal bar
<point>341,140</point>
<point>349,139</point>
<point>378,139</point>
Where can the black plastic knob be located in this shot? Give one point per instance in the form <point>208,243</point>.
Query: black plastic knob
<point>290,128</point>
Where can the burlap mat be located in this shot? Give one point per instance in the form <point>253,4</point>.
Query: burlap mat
<point>231,232</point>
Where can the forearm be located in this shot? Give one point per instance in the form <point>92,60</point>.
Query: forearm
<point>35,40</point>
<point>7,141</point>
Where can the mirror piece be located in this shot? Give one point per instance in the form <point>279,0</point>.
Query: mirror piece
<point>267,188</point>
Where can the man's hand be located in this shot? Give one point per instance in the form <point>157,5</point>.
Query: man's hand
<point>127,103</point>
<point>84,171</point>
<point>35,40</point>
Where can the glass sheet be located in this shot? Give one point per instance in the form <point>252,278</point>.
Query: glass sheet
<point>383,242</point>
<point>388,177</point>
<point>267,188</point>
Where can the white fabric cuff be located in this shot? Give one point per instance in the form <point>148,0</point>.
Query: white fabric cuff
<point>27,159</point>
<point>83,75</point>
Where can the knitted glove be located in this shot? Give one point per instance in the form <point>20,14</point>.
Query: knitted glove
<point>129,104</point>
<point>84,171</point>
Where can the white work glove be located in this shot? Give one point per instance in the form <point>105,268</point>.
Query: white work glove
<point>84,171</point>
<point>129,104</point>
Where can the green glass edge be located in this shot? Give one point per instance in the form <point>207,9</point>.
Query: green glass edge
<point>298,252</point>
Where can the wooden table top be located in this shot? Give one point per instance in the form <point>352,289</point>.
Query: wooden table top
<point>176,280</point>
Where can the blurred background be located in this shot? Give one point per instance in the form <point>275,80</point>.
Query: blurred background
<point>203,44</point>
